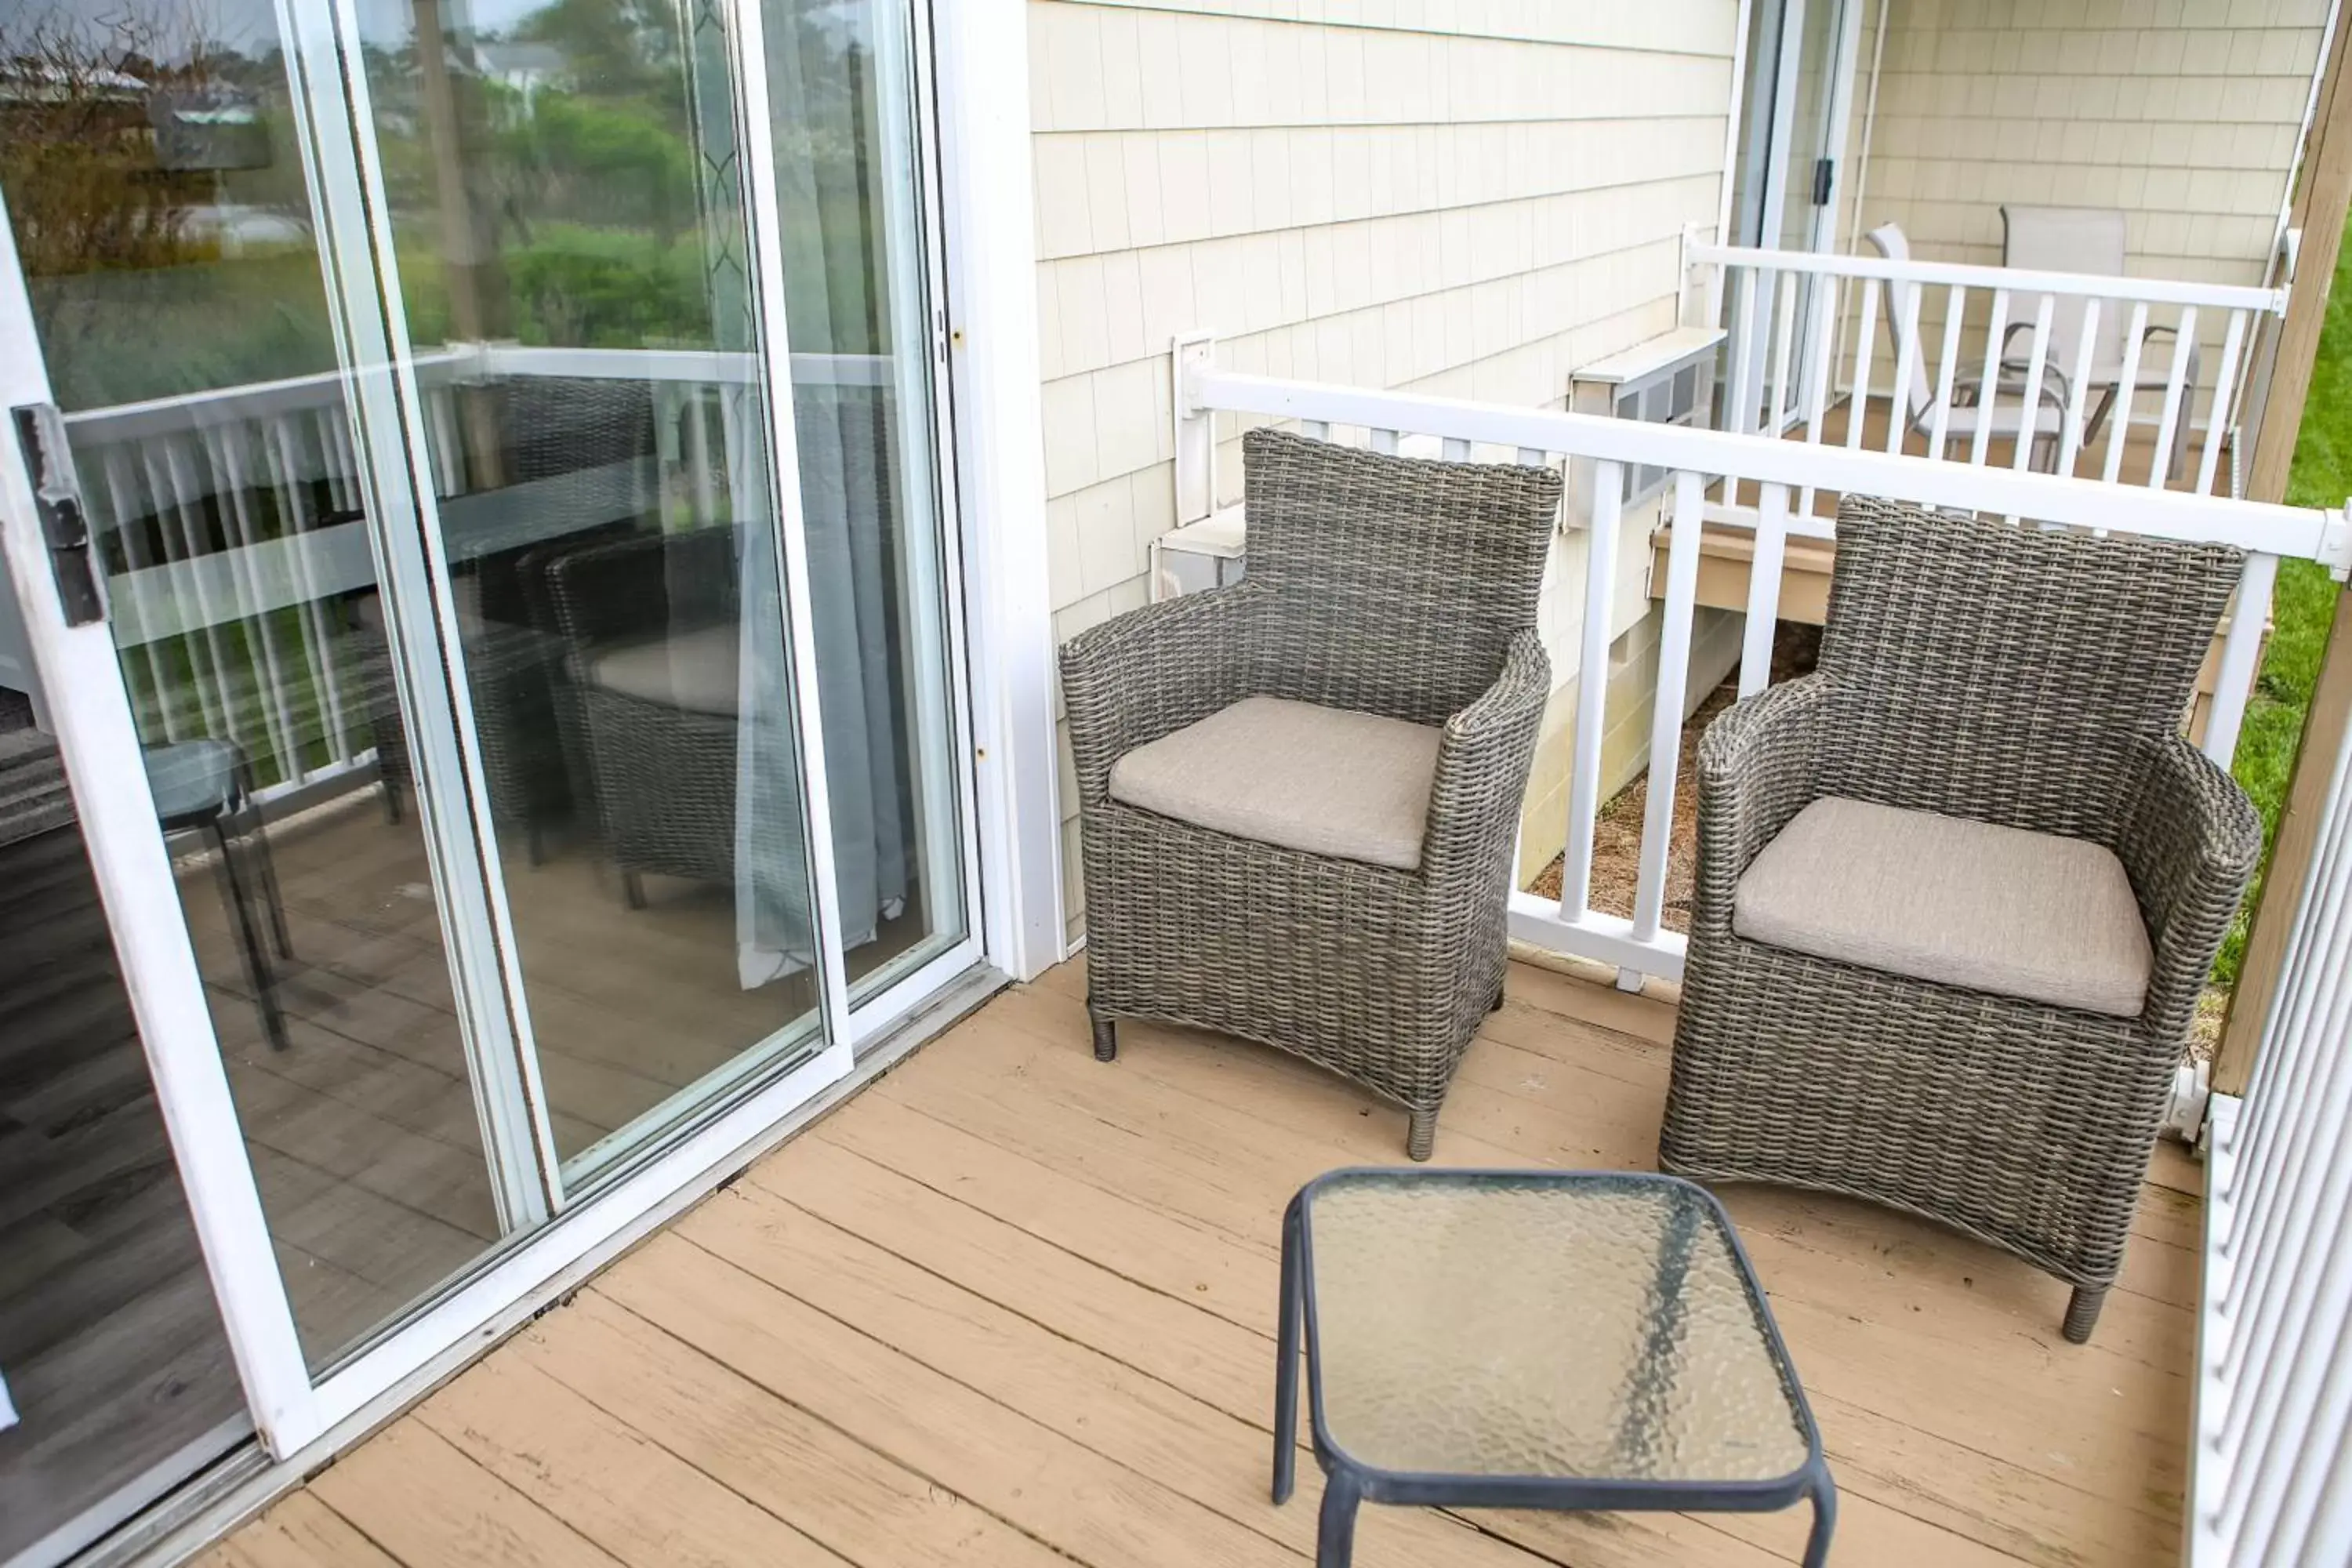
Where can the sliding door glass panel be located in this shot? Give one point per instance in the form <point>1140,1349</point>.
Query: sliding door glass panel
<point>841,92</point>
<point>569,228</point>
<point>156,181</point>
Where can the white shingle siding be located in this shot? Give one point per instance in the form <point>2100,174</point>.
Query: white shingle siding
<point>2184,113</point>
<point>1467,197</point>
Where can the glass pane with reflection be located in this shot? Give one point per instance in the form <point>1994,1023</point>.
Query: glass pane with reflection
<point>841,88</point>
<point>157,189</point>
<point>569,228</point>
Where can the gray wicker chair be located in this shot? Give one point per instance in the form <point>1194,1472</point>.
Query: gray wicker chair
<point>1377,585</point>
<point>2007,677</point>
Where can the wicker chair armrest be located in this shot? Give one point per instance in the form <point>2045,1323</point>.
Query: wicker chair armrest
<point>2190,841</point>
<point>1759,765</point>
<point>1483,762</point>
<point>1153,671</point>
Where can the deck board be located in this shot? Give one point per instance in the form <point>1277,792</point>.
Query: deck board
<point>1013,1306</point>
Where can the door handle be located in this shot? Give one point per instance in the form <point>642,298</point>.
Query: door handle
<point>56,496</point>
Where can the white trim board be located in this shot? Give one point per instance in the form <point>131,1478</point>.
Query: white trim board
<point>981,57</point>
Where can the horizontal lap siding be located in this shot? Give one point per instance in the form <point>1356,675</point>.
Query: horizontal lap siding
<point>2183,113</point>
<point>1466,199</point>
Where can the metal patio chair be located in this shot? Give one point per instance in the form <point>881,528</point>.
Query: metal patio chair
<point>2003,418</point>
<point>1299,794</point>
<point>2090,240</point>
<point>1958,890</point>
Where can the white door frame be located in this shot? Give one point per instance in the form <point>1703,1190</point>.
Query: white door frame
<point>982,84</point>
<point>1779,169</point>
<point>997,489</point>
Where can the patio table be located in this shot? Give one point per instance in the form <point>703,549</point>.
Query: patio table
<point>1535,1339</point>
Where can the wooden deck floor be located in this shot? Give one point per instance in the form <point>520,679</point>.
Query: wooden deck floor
<point>1013,1306</point>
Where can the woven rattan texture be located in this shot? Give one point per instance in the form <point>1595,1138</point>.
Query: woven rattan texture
<point>1382,585</point>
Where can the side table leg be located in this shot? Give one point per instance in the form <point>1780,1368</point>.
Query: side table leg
<point>1334,1531</point>
<point>1817,1545</point>
<point>1286,1365</point>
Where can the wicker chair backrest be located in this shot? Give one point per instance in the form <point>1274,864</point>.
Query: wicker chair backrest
<point>2003,672</point>
<point>1398,581</point>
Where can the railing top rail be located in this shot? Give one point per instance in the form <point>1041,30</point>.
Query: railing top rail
<point>324,389</point>
<point>2016,280</point>
<point>2262,526</point>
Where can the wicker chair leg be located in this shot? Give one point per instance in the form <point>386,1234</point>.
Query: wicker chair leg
<point>1497,1005</point>
<point>1106,1033</point>
<point>2083,1312</point>
<point>1421,1134</point>
<point>632,889</point>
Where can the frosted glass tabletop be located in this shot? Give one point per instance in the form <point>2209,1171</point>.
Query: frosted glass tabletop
<point>1564,1325</point>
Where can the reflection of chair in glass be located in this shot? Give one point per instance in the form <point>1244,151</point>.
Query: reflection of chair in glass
<point>655,665</point>
<point>512,677</point>
<point>205,787</point>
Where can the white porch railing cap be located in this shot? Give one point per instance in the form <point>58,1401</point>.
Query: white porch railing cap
<point>2016,280</point>
<point>2268,527</point>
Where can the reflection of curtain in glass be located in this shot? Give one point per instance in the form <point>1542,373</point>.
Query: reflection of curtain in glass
<point>773,926</point>
<point>820,85</point>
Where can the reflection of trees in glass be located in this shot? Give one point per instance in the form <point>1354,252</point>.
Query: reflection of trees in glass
<point>584,183</point>
<point>156,201</point>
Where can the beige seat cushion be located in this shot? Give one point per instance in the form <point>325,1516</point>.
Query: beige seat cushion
<point>698,670</point>
<point>1354,787</point>
<point>2030,915</point>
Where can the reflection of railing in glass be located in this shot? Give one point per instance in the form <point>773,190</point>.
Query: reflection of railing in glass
<point>232,526</point>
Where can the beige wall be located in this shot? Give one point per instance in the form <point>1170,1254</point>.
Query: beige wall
<point>2184,113</point>
<point>1463,199</point>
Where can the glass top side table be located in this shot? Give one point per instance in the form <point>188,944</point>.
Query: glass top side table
<point>1535,1339</point>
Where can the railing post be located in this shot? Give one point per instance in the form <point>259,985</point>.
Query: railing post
<point>1196,428</point>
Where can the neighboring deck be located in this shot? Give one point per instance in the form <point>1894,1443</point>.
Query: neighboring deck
<point>1013,1306</point>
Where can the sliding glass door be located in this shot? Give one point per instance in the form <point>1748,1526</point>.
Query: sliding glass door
<point>509,441</point>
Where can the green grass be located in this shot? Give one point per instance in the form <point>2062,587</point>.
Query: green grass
<point>2306,600</point>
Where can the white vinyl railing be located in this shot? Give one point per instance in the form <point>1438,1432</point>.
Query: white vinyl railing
<point>2271,1480</point>
<point>232,523</point>
<point>1978,354</point>
<point>1700,460</point>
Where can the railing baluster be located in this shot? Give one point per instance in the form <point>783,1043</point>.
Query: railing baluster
<point>1865,345</point>
<point>172,509</point>
<point>1947,371</point>
<point>2029,412</point>
<point>2119,413</point>
<point>2233,683</point>
<point>1667,717</point>
<point>1384,441</point>
<point>1822,353</point>
<point>1315,429</point>
<point>1592,689</point>
<point>1783,340</point>
<point>283,442</point>
<point>1742,405</point>
<point>2070,442</point>
<point>1764,590</point>
<point>2223,411</point>
<point>128,516</point>
<point>1456,450</point>
<point>2184,345</point>
<point>1988,389</point>
<point>221,445</point>
<point>697,459</point>
<point>1902,301</point>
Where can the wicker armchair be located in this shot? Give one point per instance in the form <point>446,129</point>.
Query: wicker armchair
<point>1975,679</point>
<point>660,737</point>
<point>1388,621</point>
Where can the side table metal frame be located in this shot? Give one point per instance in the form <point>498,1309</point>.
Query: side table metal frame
<point>1347,1481</point>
